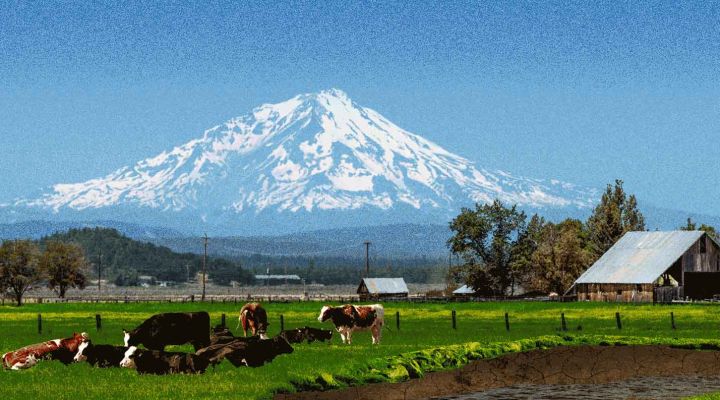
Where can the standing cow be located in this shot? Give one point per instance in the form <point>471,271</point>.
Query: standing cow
<point>349,318</point>
<point>253,317</point>
<point>30,355</point>
<point>161,330</point>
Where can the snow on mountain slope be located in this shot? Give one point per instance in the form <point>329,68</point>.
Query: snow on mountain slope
<point>318,151</point>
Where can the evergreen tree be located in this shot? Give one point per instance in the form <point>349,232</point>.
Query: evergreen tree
<point>64,265</point>
<point>616,215</point>
<point>521,264</point>
<point>18,268</point>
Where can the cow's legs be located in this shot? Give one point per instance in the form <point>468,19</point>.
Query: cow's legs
<point>376,333</point>
<point>348,335</point>
<point>342,336</point>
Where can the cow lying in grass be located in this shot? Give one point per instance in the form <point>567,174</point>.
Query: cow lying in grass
<point>100,355</point>
<point>163,363</point>
<point>307,333</point>
<point>251,353</point>
<point>28,356</point>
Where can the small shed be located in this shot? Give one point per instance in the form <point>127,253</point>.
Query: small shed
<point>463,291</point>
<point>654,266</point>
<point>378,288</point>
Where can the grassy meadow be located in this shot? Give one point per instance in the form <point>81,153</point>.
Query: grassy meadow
<point>423,326</point>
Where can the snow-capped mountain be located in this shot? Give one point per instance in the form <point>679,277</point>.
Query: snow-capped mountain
<point>298,161</point>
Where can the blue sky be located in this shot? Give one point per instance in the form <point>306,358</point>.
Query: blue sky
<point>584,93</point>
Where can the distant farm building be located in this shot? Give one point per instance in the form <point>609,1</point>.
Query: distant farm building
<point>464,291</point>
<point>277,279</point>
<point>378,288</point>
<point>654,266</point>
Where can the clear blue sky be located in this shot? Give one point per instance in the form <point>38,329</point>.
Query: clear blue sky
<point>582,93</point>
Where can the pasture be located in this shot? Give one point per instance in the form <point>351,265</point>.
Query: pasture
<point>422,326</point>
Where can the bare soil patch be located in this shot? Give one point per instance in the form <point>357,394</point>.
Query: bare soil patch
<point>562,365</point>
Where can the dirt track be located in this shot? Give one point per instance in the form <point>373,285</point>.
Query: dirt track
<point>562,365</point>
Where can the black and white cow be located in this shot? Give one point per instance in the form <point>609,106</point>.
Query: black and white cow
<point>100,355</point>
<point>307,333</point>
<point>162,363</point>
<point>349,318</point>
<point>251,353</point>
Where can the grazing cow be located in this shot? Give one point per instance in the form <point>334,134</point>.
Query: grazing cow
<point>253,317</point>
<point>100,355</point>
<point>307,333</point>
<point>349,318</point>
<point>30,355</point>
<point>251,353</point>
<point>162,363</point>
<point>161,330</point>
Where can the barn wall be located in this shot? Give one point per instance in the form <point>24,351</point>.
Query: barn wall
<point>703,256</point>
<point>614,292</point>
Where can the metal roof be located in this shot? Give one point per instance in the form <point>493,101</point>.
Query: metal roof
<point>464,289</point>
<point>385,285</point>
<point>266,277</point>
<point>640,257</point>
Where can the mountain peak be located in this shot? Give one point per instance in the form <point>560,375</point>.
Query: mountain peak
<point>316,152</point>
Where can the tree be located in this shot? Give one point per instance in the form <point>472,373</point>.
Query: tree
<point>65,266</point>
<point>485,238</point>
<point>692,226</point>
<point>522,267</point>
<point>562,255</point>
<point>616,215</point>
<point>18,268</point>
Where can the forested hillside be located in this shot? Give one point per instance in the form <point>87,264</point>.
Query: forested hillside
<point>123,259</point>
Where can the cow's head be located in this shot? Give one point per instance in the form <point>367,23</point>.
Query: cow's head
<point>323,334</point>
<point>129,360</point>
<point>80,355</point>
<point>325,313</point>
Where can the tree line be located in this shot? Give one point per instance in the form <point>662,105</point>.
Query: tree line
<point>502,251</point>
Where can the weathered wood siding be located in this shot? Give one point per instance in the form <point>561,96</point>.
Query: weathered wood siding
<point>614,292</point>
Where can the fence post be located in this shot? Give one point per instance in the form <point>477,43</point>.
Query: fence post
<point>282,323</point>
<point>397,320</point>
<point>672,319</point>
<point>507,322</point>
<point>617,320</point>
<point>39,324</point>
<point>454,318</point>
<point>192,298</point>
<point>222,320</point>
<point>562,318</point>
<point>98,322</point>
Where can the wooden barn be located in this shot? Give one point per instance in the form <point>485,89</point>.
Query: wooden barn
<point>379,288</point>
<point>654,267</point>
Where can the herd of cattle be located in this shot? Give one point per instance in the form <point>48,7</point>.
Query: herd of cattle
<point>211,346</point>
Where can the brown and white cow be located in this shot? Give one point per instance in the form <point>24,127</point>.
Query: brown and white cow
<point>30,355</point>
<point>253,317</point>
<point>349,318</point>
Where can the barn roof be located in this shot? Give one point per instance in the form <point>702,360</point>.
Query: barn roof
<point>640,257</point>
<point>270,277</point>
<point>385,285</point>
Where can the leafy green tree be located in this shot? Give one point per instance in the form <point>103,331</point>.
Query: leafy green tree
<point>485,237</point>
<point>222,272</point>
<point>65,266</point>
<point>616,215</point>
<point>18,268</point>
<point>562,255</point>
<point>692,226</point>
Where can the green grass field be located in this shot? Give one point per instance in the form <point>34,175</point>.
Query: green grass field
<point>422,326</point>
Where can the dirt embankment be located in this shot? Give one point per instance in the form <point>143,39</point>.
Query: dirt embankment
<point>562,365</point>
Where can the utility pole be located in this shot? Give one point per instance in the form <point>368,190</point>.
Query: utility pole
<point>203,271</point>
<point>99,271</point>
<point>367,259</point>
